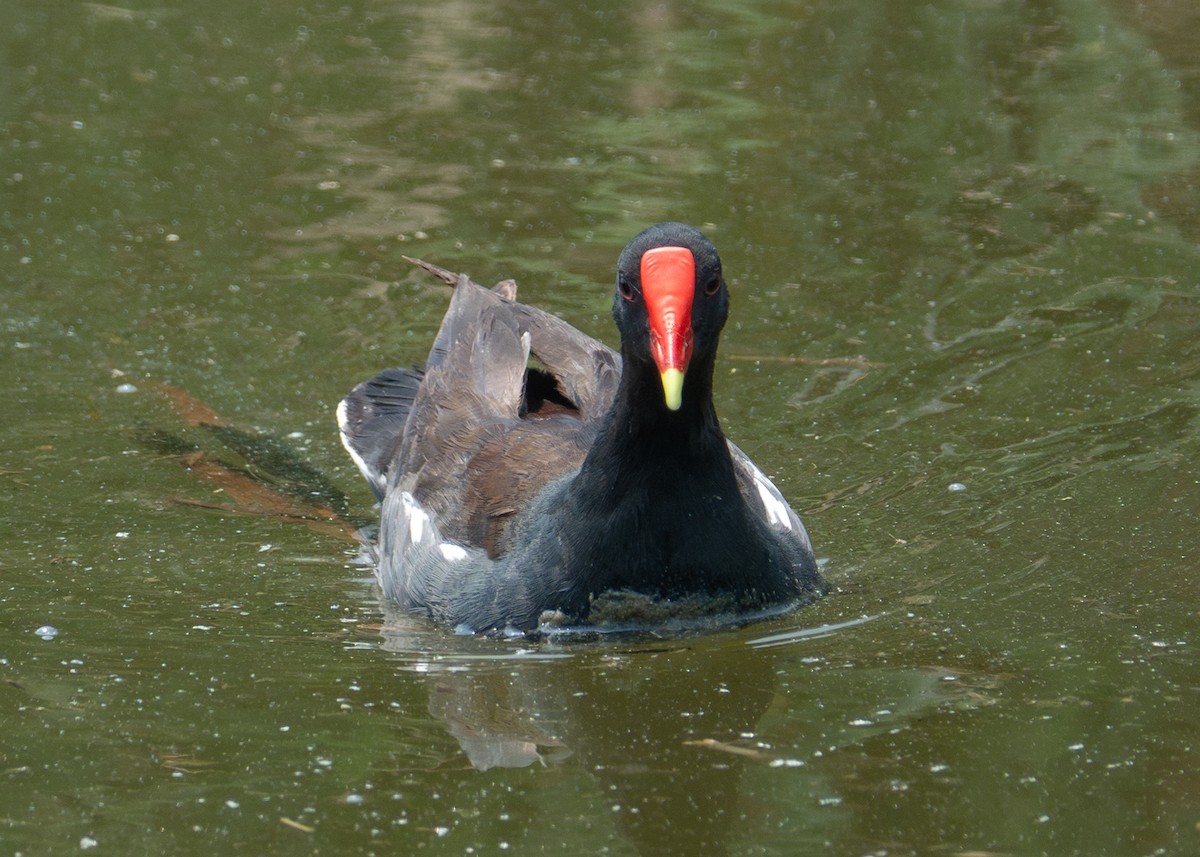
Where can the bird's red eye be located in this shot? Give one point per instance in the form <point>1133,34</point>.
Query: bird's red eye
<point>625,289</point>
<point>713,287</point>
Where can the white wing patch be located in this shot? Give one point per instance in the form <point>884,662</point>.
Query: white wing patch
<point>778,513</point>
<point>421,527</point>
<point>423,531</point>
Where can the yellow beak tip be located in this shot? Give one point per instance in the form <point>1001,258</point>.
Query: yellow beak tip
<point>672,381</point>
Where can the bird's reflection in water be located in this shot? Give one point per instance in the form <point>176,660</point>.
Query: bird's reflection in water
<point>647,718</point>
<point>484,712</point>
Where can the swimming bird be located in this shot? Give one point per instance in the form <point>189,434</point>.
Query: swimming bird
<point>528,472</point>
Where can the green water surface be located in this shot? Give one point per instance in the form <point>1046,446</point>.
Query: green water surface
<point>962,240</point>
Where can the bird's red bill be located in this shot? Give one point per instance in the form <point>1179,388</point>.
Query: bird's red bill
<point>668,285</point>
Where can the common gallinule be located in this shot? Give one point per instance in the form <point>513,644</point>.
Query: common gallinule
<point>513,492</point>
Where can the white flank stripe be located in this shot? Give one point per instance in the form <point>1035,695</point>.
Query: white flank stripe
<point>417,519</point>
<point>777,510</point>
<point>453,552</point>
<point>367,472</point>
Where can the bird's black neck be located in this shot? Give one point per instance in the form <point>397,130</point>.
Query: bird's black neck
<point>655,507</point>
<point>642,441</point>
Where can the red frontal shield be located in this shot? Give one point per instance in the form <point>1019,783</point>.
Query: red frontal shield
<point>668,285</point>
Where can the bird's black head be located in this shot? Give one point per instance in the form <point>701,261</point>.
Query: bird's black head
<point>671,301</point>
